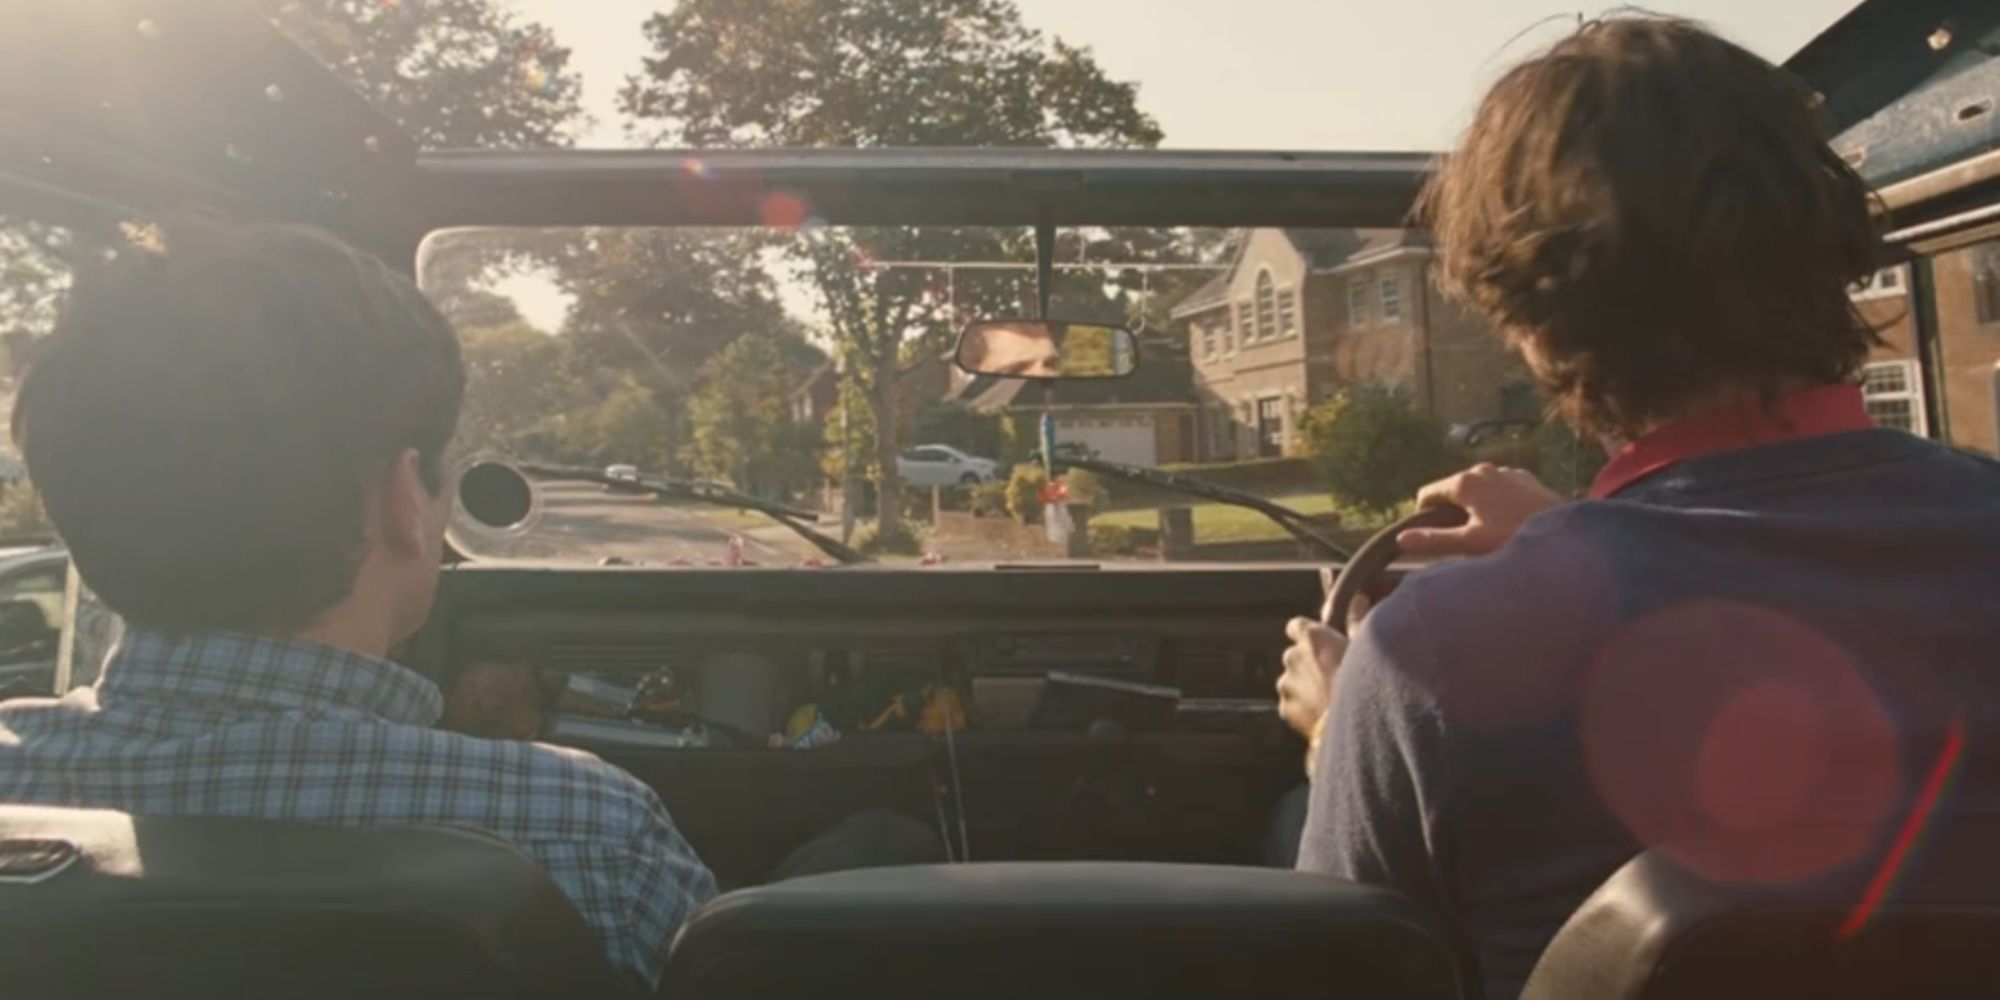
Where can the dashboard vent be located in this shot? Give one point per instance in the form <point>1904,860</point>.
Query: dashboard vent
<point>898,656</point>
<point>612,654</point>
<point>1204,671</point>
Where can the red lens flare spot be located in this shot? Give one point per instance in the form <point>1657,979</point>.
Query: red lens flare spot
<point>1766,749</point>
<point>783,210</point>
<point>1711,721</point>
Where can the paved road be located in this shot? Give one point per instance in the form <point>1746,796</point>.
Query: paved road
<point>583,522</point>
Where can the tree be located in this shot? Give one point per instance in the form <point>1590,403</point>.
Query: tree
<point>740,420</point>
<point>34,271</point>
<point>514,383</point>
<point>875,73</point>
<point>629,426</point>
<point>662,302</point>
<point>1373,447</point>
<point>450,73</point>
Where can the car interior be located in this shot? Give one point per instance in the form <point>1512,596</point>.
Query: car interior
<point>1096,741</point>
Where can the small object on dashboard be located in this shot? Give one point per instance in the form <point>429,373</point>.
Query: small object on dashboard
<point>944,711</point>
<point>496,700</point>
<point>660,697</point>
<point>804,730</point>
<point>1075,701</point>
<point>1000,703</point>
<point>583,695</point>
<point>741,690</point>
<point>588,731</point>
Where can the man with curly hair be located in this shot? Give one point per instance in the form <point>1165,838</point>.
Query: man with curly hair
<point>1768,615</point>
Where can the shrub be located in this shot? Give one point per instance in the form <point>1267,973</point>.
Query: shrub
<point>989,499</point>
<point>901,542</point>
<point>1087,487</point>
<point>1114,540</point>
<point>1024,493</point>
<point>1373,448</point>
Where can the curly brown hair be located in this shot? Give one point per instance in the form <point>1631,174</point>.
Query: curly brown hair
<point>1653,214</point>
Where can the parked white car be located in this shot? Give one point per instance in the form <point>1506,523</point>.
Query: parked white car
<point>944,465</point>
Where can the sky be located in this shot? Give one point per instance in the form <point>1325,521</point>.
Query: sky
<point>1239,74</point>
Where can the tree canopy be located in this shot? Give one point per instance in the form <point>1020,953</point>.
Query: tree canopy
<point>450,73</point>
<point>876,73</point>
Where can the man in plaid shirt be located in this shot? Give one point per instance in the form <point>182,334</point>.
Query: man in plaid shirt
<point>240,433</point>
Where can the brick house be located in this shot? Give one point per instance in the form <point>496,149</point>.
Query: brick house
<point>1299,313</point>
<point>1968,318</point>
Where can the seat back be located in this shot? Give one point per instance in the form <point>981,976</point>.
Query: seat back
<point>99,904</point>
<point>1055,931</point>
<point>1659,931</point>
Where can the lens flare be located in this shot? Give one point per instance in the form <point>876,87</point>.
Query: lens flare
<point>536,77</point>
<point>783,210</point>
<point>1711,721</point>
<point>1936,786</point>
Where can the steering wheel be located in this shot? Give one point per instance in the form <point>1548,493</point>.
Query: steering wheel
<point>1363,573</point>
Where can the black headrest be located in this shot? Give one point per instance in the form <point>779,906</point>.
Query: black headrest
<point>1902,925</point>
<point>1060,930</point>
<point>104,904</point>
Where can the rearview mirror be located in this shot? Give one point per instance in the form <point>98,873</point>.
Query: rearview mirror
<point>1047,349</point>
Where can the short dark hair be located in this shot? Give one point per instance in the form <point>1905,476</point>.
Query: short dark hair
<point>1657,212</point>
<point>205,420</point>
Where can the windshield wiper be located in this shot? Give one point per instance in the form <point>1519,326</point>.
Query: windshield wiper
<point>1295,524</point>
<point>709,493</point>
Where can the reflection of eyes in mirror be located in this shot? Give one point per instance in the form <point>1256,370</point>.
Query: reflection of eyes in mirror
<point>1047,350</point>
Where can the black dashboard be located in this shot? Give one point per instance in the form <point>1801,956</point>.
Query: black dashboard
<point>1052,711</point>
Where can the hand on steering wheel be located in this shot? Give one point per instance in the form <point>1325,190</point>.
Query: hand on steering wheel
<point>1363,574</point>
<point>1305,687</point>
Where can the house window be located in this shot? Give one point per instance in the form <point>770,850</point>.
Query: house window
<point>1392,299</point>
<point>1894,395</point>
<point>1886,283</point>
<point>1288,313</point>
<point>1270,427</point>
<point>1208,340</point>
<point>1246,320</point>
<point>1986,282</point>
<point>1357,302</point>
<point>1267,306</point>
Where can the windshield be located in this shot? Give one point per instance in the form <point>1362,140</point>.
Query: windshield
<point>808,366</point>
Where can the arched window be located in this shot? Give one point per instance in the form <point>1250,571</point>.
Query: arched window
<point>1267,306</point>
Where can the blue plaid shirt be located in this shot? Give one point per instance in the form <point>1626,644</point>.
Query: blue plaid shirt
<point>232,725</point>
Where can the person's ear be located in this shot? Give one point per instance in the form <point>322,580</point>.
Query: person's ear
<point>406,505</point>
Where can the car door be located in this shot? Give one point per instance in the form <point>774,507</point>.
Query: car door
<point>928,467</point>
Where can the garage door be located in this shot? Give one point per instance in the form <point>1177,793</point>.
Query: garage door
<point>1119,439</point>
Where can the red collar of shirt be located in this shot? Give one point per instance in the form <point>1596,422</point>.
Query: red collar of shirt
<point>1826,409</point>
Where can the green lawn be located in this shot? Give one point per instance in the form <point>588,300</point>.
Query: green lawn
<point>1214,522</point>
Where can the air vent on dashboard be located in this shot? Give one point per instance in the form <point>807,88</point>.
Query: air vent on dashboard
<point>889,655</point>
<point>637,654</point>
<point>1202,670</point>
